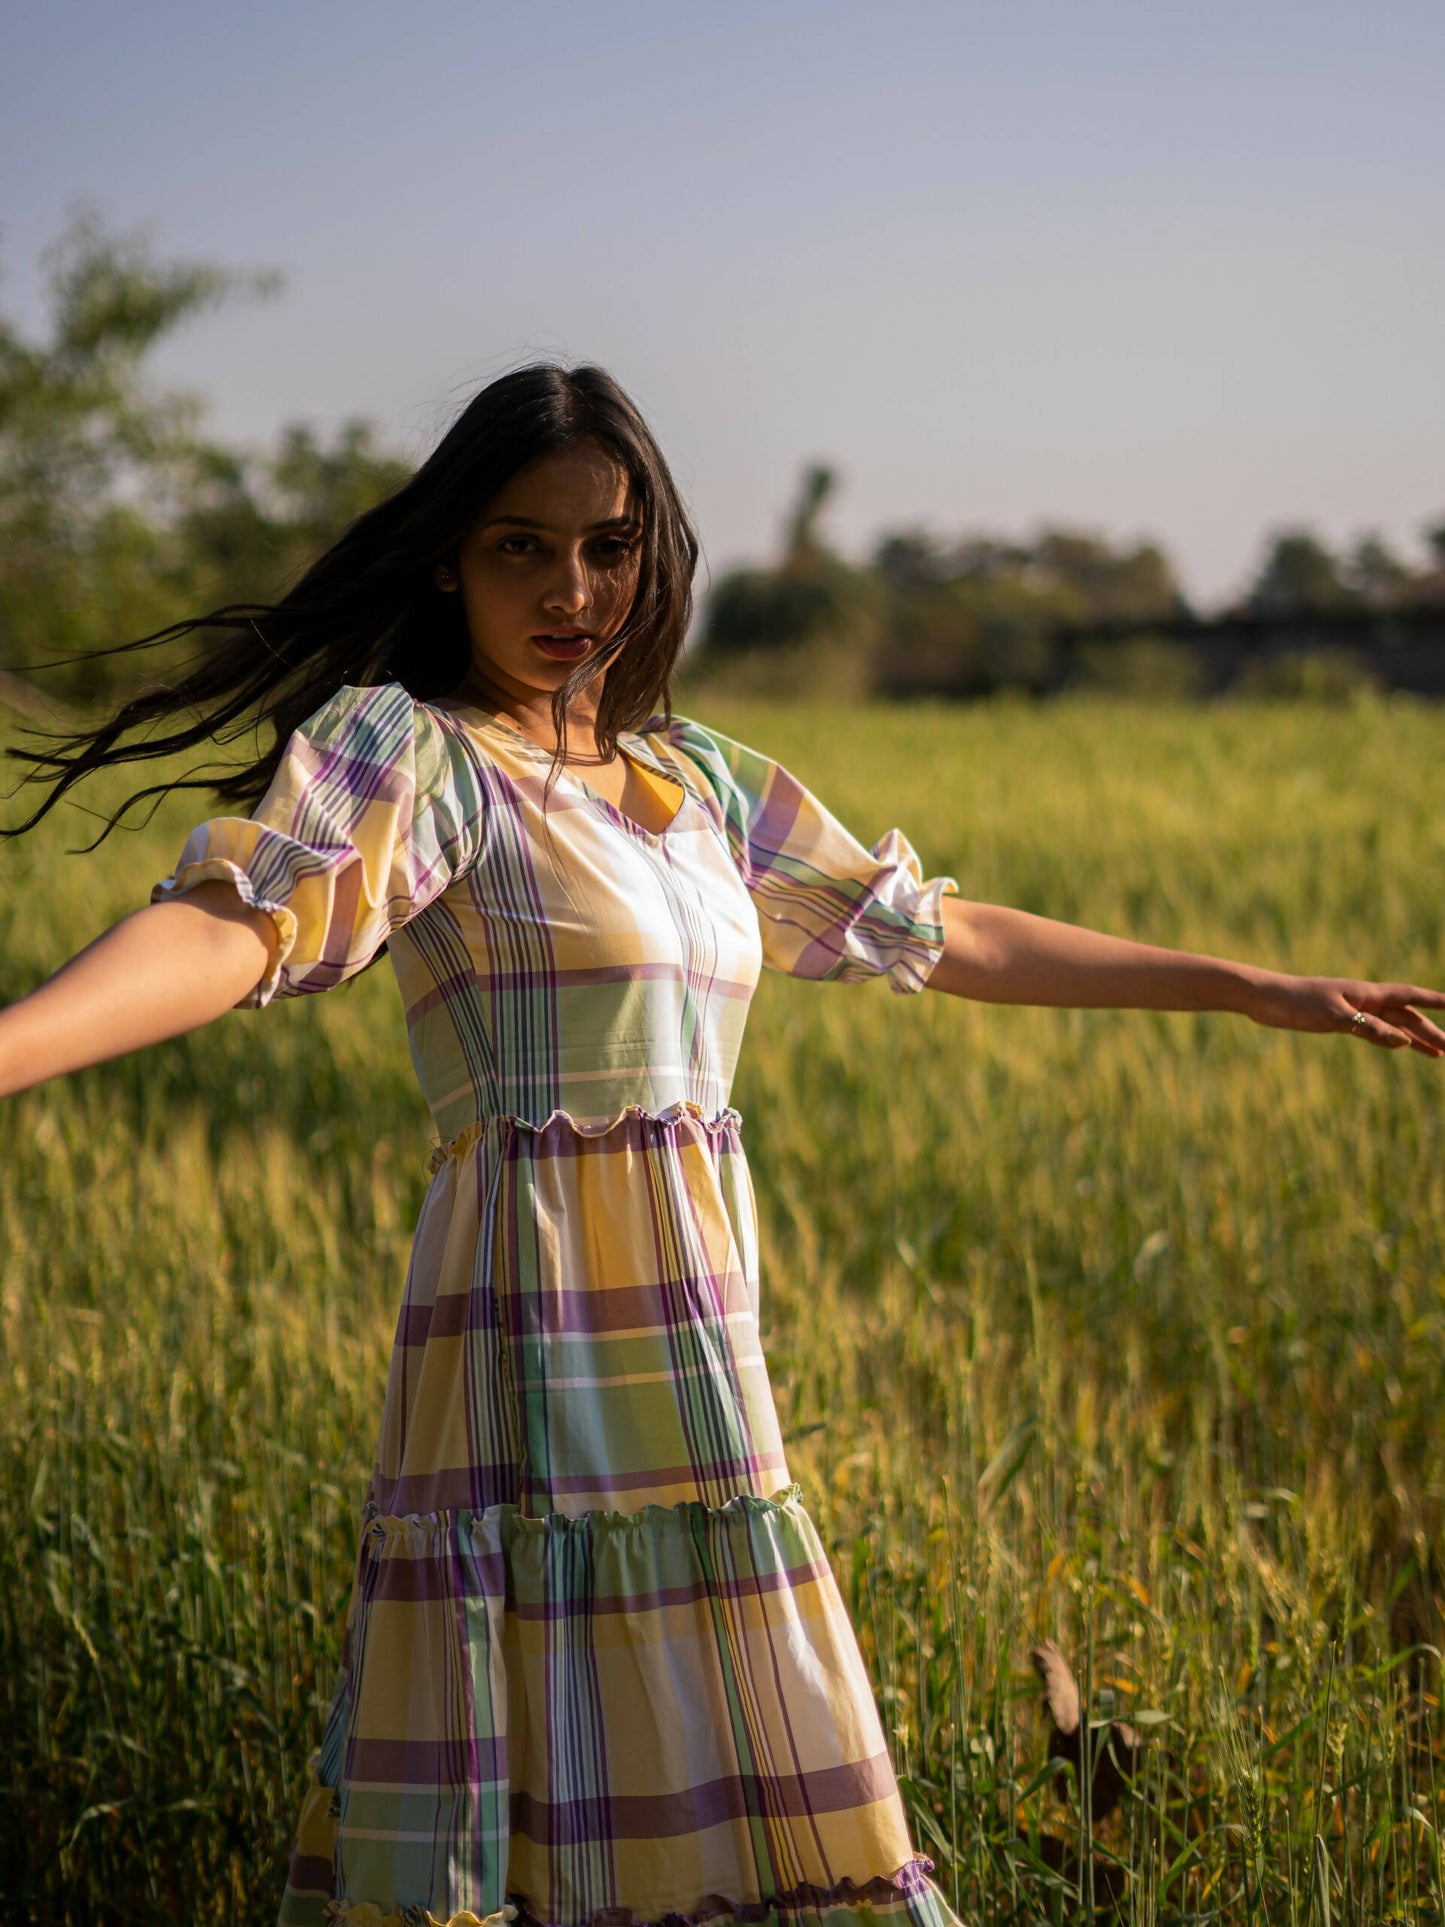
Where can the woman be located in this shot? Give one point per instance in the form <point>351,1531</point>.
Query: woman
<point>595,1666</point>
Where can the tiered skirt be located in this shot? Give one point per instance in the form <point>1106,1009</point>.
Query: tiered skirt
<point>578,1699</point>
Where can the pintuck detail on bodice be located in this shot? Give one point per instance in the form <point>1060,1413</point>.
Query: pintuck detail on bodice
<point>596,1671</point>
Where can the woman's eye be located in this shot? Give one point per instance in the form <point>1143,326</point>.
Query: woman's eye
<point>515,544</point>
<point>612,548</point>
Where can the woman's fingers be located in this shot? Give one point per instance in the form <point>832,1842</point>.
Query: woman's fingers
<point>1375,1030</point>
<point>1384,1014</point>
<point>1422,1026</point>
<point>1414,994</point>
<point>1423,1035</point>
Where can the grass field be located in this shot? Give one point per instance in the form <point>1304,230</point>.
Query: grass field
<point>1119,1328</point>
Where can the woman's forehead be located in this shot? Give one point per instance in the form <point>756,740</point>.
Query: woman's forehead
<point>579,487</point>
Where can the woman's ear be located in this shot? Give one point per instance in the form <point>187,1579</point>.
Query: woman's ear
<point>444,576</point>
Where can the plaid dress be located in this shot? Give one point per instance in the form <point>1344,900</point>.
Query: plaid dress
<point>596,1670</point>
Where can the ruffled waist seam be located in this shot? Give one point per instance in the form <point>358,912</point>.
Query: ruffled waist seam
<point>684,1110</point>
<point>740,1507</point>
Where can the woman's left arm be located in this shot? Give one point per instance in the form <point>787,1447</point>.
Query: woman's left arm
<point>1002,956</point>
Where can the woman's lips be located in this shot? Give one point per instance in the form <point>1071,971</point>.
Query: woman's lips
<point>563,648</point>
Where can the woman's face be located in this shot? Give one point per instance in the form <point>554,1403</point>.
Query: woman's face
<point>548,572</point>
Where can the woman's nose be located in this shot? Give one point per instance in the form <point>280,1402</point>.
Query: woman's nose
<point>569,592</point>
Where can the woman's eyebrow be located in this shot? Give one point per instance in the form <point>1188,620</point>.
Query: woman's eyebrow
<point>529,522</point>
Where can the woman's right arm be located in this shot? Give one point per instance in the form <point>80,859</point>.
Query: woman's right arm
<point>167,969</point>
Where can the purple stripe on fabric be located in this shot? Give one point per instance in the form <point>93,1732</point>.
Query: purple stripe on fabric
<point>309,1873</point>
<point>658,1598</point>
<point>638,1312</point>
<point>586,976</point>
<point>425,1763</point>
<point>599,1312</point>
<point>450,1315</point>
<point>474,1487</point>
<point>444,990</point>
<point>414,1325</point>
<point>660,1476</point>
<point>773,820</point>
<point>434,1574</point>
<point>591,1312</point>
<point>666,1816</point>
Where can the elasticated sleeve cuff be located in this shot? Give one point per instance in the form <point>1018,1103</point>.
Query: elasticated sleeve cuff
<point>219,869</point>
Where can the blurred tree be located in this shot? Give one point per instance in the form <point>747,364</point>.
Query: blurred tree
<point>763,609</point>
<point>1375,576</point>
<point>981,613</point>
<point>812,599</point>
<point>1125,585</point>
<point>935,611</point>
<point>1299,577</point>
<point>117,515</point>
<point>804,554</point>
<point>255,523</point>
<point>1428,588</point>
<point>93,463</point>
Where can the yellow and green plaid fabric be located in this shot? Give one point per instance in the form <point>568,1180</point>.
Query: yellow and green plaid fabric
<point>596,1671</point>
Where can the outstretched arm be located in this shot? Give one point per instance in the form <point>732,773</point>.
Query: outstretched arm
<point>167,969</point>
<point>1002,956</point>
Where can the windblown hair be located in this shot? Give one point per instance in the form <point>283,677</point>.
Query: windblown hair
<point>369,611</point>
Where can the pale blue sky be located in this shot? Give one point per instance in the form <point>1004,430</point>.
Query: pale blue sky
<point>1152,268</point>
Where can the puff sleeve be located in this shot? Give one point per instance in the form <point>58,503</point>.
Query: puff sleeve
<point>375,807</point>
<point>828,908</point>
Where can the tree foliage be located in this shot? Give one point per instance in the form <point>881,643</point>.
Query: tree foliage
<point>928,614</point>
<point>118,514</point>
<point>811,597</point>
<point>1300,575</point>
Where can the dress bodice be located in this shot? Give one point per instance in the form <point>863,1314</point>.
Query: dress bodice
<point>553,955</point>
<point>581,964</point>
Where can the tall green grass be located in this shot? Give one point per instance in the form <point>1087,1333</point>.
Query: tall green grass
<point>1118,1328</point>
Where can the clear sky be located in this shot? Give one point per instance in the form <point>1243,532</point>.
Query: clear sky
<point>1159,268</point>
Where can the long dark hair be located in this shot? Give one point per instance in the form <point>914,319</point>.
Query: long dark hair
<point>369,610</point>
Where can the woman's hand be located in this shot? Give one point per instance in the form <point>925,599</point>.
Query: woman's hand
<point>1390,1015</point>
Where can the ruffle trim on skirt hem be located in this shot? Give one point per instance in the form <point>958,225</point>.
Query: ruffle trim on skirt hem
<point>910,1881</point>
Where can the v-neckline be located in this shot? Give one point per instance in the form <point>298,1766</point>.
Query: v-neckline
<point>645,761</point>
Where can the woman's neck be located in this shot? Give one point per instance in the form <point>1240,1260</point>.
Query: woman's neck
<point>532,714</point>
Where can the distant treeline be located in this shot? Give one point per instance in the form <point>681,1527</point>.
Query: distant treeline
<point>963,617</point>
<point>119,513</point>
